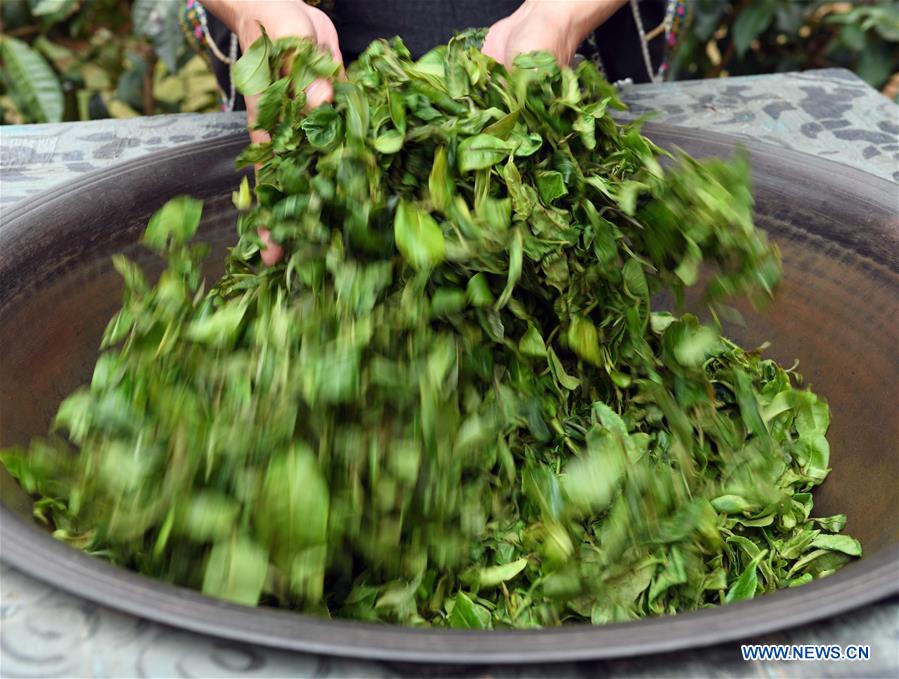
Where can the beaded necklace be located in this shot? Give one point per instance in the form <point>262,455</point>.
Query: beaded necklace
<point>195,25</point>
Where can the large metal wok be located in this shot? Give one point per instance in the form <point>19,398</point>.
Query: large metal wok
<point>836,312</point>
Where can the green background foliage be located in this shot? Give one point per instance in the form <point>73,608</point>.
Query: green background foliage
<point>88,59</point>
<point>766,36</point>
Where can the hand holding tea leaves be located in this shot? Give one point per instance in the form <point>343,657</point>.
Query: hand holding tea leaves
<point>281,18</point>
<point>248,19</point>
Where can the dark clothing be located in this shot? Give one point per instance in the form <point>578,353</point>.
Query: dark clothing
<point>423,24</point>
<point>618,41</point>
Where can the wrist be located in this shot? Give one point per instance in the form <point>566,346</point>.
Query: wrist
<point>227,11</point>
<point>240,16</point>
<point>576,18</point>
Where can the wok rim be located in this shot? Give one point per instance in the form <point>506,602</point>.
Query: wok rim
<point>37,554</point>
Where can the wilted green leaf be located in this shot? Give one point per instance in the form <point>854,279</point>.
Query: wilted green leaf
<point>493,575</point>
<point>174,223</point>
<point>481,151</point>
<point>235,571</point>
<point>468,615</point>
<point>322,126</point>
<point>418,236</point>
<point>252,73</point>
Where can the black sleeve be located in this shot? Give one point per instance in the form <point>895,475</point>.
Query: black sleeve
<point>422,24</point>
<point>618,42</point>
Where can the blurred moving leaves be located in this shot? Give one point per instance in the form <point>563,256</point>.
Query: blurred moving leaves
<point>88,59</point>
<point>744,37</point>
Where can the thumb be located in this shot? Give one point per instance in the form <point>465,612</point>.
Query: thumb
<point>322,89</point>
<point>318,92</point>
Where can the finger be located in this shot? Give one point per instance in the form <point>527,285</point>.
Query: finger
<point>322,89</point>
<point>271,251</point>
<point>334,46</point>
<point>325,31</point>
<point>491,46</point>
<point>319,92</point>
<point>326,35</point>
<point>496,39</point>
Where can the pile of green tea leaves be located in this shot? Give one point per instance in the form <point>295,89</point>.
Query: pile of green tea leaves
<point>452,402</point>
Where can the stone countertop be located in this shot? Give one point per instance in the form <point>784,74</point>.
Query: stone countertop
<point>46,632</point>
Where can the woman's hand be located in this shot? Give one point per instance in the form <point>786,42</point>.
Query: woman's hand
<point>280,18</point>
<point>554,26</point>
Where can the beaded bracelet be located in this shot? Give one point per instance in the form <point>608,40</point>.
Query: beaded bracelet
<point>195,25</point>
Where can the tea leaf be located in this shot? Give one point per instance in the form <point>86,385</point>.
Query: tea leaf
<point>252,73</point>
<point>418,237</point>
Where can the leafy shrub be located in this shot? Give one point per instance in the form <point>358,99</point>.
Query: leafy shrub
<point>765,36</point>
<point>86,59</point>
